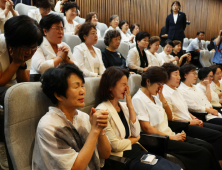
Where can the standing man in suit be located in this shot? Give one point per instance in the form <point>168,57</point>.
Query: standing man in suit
<point>176,23</point>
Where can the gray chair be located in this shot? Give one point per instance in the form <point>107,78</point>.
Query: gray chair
<point>204,58</point>
<point>79,20</point>
<point>160,49</point>
<point>207,43</point>
<point>100,44</point>
<point>58,13</point>
<point>211,57</point>
<point>204,44</point>
<point>128,31</point>
<point>189,41</point>
<point>123,49</point>
<point>185,43</point>
<point>132,45</point>
<point>23,9</point>
<point>71,40</point>
<point>102,27</point>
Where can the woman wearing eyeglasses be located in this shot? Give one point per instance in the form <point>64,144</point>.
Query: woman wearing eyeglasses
<point>113,22</point>
<point>52,52</point>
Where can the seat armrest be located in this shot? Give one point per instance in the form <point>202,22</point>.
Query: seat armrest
<point>154,143</point>
<point>178,125</point>
<point>199,115</point>
<point>116,162</point>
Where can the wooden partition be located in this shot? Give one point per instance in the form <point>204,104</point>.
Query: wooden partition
<point>204,15</point>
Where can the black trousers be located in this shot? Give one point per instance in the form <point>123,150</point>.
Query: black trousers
<point>216,121</point>
<point>195,154</point>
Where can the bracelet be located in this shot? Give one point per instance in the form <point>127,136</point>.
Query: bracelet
<point>23,67</point>
<point>102,134</point>
<point>62,58</point>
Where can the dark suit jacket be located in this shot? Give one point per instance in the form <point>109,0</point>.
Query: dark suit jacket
<point>176,31</point>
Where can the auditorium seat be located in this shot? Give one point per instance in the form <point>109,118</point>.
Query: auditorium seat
<point>102,27</point>
<point>211,57</point>
<point>123,49</point>
<point>204,58</point>
<point>23,9</point>
<point>189,41</point>
<point>132,45</point>
<point>79,20</point>
<point>160,49</point>
<point>185,44</point>
<point>204,44</point>
<point>207,43</point>
<point>100,44</point>
<point>71,40</point>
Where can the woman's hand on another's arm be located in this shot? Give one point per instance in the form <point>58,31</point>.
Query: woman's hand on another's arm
<point>134,140</point>
<point>178,137</point>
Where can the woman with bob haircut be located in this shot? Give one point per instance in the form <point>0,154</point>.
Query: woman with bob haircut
<point>92,17</point>
<point>113,22</point>
<point>110,56</point>
<point>195,98</point>
<point>124,26</point>
<point>65,136</point>
<point>52,52</point>
<point>123,129</point>
<point>134,29</point>
<point>153,113</point>
<point>88,56</point>
<point>137,59</point>
<point>70,12</point>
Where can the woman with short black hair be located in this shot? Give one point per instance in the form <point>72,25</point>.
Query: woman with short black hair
<point>124,26</point>
<point>52,52</point>
<point>88,56</point>
<point>134,29</point>
<point>216,84</point>
<point>65,136</point>
<point>137,59</point>
<point>92,17</point>
<point>43,8</point>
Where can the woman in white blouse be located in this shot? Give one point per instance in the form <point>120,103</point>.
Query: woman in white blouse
<point>126,37</point>
<point>43,8</point>
<point>88,56</point>
<point>52,52</point>
<point>123,129</point>
<point>153,58</point>
<point>195,98</point>
<point>153,113</point>
<point>67,138</point>
<point>216,84</point>
<point>70,12</point>
<point>206,76</point>
<point>92,17</point>
<point>113,22</point>
<point>137,59</point>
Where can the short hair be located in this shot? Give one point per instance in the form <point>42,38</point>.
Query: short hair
<point>199,32</point>
<point>214,68</point>
<point>155,74</point>
<point>175,2</point>
<point>54,80</point>
<point>212,39</point>
<point>89,16</point>
<point>170,67</point>
<point>109,79</point>
<point>43,4</point>
<point>84,30</point>
<point>110,35</point>
<point>132,27</point>
<point>112,18</point>
<point>185,69</point>
<point>152,40</point>
<point>22,31</point>
<point>169,42</point>
<point>68,5</point>
<point>122,22</point>
<point>141,35</point>
<point>203,72</point>
<point>48,20</point>
<point>176,42</point>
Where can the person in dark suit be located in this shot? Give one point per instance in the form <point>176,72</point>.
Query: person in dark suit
<point>163,36</point>
<point>176,23</point>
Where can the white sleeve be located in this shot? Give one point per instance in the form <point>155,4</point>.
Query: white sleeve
<point>140,109</point>
<point>32,15</point>
<point>131,58</point>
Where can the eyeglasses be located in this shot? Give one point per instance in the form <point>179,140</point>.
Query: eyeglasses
<point>59,29</point>
<point>211,76</point>
<point>160,84</point>
<point>25,48</point>
<point>116,20</point>
<point>194,73</point>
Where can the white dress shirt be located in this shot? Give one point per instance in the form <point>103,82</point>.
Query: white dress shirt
<point>175,17</point>
<point>153,113</point>
<point>125,37</point>
<point>57,6</point>
<point>85,60</point>
<point>153,60</point>
<point>115,129</point>
<point>69,28</point>
<point>111,28</point>
<point>43,58</point>
<point>4,18</point>
<point>176,103</point>
<point>35,14</point>
<point>196,99</point>
<point>217,89</point>
<point>166,58</point>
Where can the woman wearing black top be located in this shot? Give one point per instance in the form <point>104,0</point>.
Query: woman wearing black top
<point>211,46</point>
<point>110,56</point>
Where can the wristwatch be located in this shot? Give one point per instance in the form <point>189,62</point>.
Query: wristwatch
<point>23,67</point>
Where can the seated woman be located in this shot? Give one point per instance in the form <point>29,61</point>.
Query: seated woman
<point>205,75</point>
<point>43,8</point>
<point>216,84</point>
<point>211,46</point>
<point>59,6</point>
<point>65,136</point>
<point>92,17</point>
<point>153,113</point>
<point>70,12</point>
<point>110,56</point>
<point>113,22</point>
<point>52,52</point>
<point>153,58</point>
<point>185,58</point>
<point>6,12</point>
<point>124,26</point>
<point>89,57</point>
<point>194,96</point>
<point>137,59</point>
<point>165,54</point>
<point>123,129</point>
<point>134,29</point>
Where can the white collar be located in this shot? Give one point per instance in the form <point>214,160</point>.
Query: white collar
<point>169,89</point>
<point>186,87</point>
